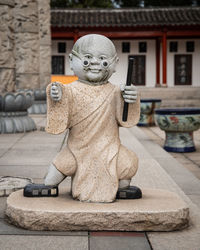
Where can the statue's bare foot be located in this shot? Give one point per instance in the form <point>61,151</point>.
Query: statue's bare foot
<point>54,177</point>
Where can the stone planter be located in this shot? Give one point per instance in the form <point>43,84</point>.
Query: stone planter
<point>178,124</point>
<point>39,105</point>
<point>147,107</point>
<point>13,112</point>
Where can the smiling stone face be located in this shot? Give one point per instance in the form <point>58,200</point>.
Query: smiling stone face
<point>93,59</point>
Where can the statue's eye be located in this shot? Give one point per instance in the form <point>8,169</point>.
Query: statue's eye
<point>102,58</point>
<point>105,64</point>
<point>88,56</point>
<point>85,62</point>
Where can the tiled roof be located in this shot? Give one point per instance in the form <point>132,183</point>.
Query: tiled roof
<point>134,17</point>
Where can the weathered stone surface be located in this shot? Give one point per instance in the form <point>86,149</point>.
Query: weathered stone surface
<point>25,43</point>
<point>45,79</point>
<point>6,20</point>
<point>26,16</point>
<point>27,56</point>
<point>45,60</point>
<point>158,210</point>
<point>27,81</point>
<point>6,43</point>
<point>44,22</point>
<point>7,80</point>
<point>45,42</point>
<point>9,184</point>
<point>10,3</point>
<point>7,59</point>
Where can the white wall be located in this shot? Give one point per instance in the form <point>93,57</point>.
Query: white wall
<point>69,45</point>
<point>120,76</point>
<point>121,72</point>
<point>182,50</point>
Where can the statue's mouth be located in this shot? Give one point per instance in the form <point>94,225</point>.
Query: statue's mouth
<point>95,70</point>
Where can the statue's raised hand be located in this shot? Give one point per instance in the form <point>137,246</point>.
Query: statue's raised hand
<point>129,93</point>
<point>56,91</point>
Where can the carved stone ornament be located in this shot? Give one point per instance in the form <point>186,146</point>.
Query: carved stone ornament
<point>13,112</point>
<point>39,104</point>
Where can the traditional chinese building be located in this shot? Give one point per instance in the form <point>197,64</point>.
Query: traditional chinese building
<point>165,42</point>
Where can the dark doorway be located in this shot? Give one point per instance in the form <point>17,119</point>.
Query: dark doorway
<point>139,70</point>
<point>58,65</point>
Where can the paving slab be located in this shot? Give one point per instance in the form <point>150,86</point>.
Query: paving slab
<point>154,174</point>
<point>19,242</point>
<point>24,156</point>
<point>118,241</point>
<point>8,141</point>
<point>8,229</point>
<point>29,170</point>
<point>40,120</point>
<point>2,206</point>
<point>184,178</point>
<point>35,148</point>
<point>150,174</point>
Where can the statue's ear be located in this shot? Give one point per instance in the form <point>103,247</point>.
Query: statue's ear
<point>116,62</point>
<point>70,61</point>
<point>117,59</point>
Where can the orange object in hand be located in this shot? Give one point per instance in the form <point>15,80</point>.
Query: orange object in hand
<point>64,79</point>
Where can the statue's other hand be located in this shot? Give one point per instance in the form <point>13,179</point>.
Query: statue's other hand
<point>129,93</point>
<point>56,91</point>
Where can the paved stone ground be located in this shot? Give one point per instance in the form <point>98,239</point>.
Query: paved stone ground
<point>190,161</point>
<point>30,154</point>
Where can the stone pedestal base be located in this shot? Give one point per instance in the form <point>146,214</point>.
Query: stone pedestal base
<point>38,107</point>
<point>158,210</point>
<point>16,122</point>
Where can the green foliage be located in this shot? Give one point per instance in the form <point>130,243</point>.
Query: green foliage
<point>120,3</point>
<point>168,2</point>
<point>156,3</point>
<point>82,3</point>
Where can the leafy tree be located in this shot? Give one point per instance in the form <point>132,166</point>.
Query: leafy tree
<point>149,3</point>
<point>82,3</point>
<point>121,3</point>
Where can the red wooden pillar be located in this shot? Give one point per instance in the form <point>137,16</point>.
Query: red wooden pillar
<point>76,36</point>
<point>157,61</point>
<point>164,58</point>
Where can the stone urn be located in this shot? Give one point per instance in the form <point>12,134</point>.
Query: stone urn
<point>13,112</point>
<point>147,107</point>
<point>39,105</point>
<point>178,124</point>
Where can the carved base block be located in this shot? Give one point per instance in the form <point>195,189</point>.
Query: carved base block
<point>16,122</point>
<point>158,210</point>
<point>39,107</point>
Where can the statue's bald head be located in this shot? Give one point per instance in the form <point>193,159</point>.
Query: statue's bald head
<point>93,59</point>
<point>99,42</point>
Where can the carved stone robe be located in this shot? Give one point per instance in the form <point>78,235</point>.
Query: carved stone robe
<point>93,156</point>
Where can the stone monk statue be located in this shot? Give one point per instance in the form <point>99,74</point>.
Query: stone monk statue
<point>91,108</point>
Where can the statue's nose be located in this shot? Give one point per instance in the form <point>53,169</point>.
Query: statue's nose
<point>94,61</point>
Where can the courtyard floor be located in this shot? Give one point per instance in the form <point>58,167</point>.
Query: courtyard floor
<point>30,154</point>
